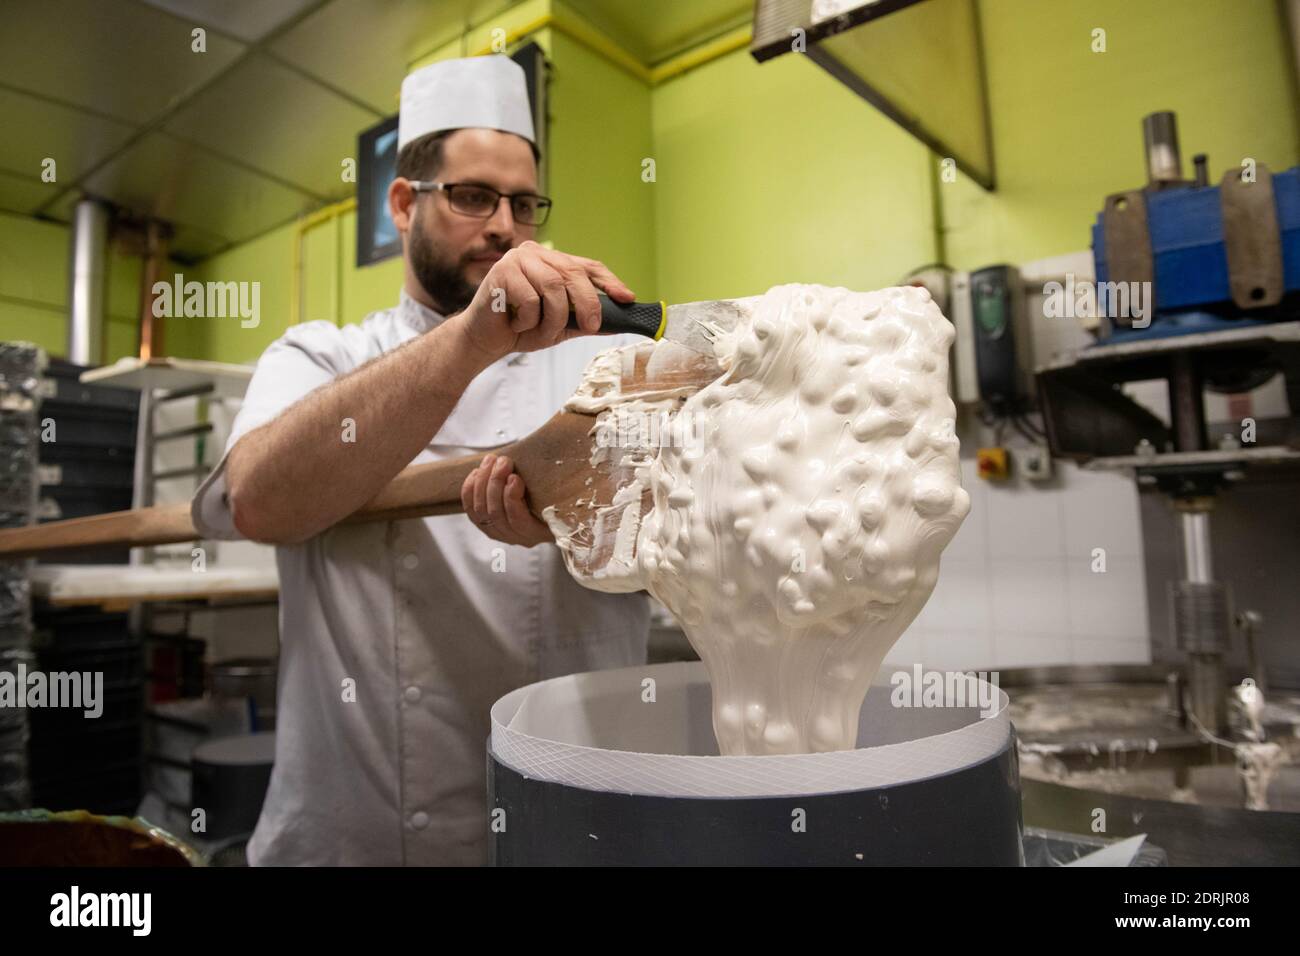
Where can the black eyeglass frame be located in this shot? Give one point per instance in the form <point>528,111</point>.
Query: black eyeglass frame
<point>544,206</point>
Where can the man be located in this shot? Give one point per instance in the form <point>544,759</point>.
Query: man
<point>397,637</point>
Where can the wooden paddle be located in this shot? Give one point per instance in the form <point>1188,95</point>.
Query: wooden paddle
<point>555,463</point>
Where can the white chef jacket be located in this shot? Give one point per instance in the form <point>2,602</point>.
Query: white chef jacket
<point>396,638</point>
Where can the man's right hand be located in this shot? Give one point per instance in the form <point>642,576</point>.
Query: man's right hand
<point>523,303</point>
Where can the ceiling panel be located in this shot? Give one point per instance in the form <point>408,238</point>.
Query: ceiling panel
<point>652,32</point>
<point>299,131</point>
<point>23,194</point>
<point>248,20</point>
<point>364,46</point>
<point>189,244</point>
<point>36,129</point>
<point>239,140</point>
<point>165,178</point>
<point>120,58</point>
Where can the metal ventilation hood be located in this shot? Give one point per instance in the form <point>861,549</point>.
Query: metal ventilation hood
<point>920,62</point>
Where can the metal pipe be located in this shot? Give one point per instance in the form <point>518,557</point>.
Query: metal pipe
<point>1200,617</point>
<point>1174,698</point>
<point>151,326</point>
<point>1196,547</point>
<point>1186,403</point>
<point>189,431</point>
<point>86,272</point>
<point>189,391</point>
<point>181,472</point>
<point>1209,702</point>
<point>1160,136</point>
<point>1250,623</point>
<point>1201,164</point>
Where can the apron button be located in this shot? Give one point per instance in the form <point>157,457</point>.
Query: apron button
<point>419,820</point>
<point>412,694</point>
<point>410,561</point>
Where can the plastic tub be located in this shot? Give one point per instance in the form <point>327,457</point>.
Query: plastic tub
<point>585,769</point>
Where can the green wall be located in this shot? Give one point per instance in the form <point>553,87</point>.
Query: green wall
<point>776,173</point>
<point>1067,121</point>
<point>266,259</point>
<point>34,288</point>
<point>333,288</point>
<point>599,134</point>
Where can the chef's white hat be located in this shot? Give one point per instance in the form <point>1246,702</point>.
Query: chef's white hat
<point>489,92</point>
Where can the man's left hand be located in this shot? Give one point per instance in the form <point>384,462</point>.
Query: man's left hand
<point>493,496</point>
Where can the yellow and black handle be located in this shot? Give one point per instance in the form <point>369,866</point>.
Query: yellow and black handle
<point>640,318</point>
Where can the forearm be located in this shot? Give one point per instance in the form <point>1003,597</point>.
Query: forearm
<point>332,452</point>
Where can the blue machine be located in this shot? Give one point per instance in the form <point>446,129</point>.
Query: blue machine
<point>1198,286</point>
<point>1188,238</point>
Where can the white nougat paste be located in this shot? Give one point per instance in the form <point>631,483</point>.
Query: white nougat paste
<point>796,529</point>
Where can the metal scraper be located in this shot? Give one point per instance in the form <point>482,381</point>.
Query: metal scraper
<point>695,325</point>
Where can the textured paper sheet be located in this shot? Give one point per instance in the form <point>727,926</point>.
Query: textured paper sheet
<point>598,731</point>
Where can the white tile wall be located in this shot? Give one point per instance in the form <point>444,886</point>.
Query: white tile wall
<point>1029,596</point>
<point>1110,652</point>
<point>959,649</point>
<point>962,599</point>
<point>1100,511</point>
<point>1024,522</point>
<point>1017,586</point>
<point>1028,650</point>
<point>1108,604</point>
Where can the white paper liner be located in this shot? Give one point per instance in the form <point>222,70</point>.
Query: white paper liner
<point>596,731</point>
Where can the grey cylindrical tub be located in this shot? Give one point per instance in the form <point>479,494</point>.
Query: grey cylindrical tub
<point>586,770</point>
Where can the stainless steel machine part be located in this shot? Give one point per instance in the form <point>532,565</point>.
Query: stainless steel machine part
<point>1192,835</point>
<point>1186,402</point>
<point>1200,618</point>
<point>1196,546</point>
<point>1250,623</point>
<point>1160,138</point>
<point>1105,737</point>
<point>1201,164</point>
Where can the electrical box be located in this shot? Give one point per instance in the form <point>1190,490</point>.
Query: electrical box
<point>1003,350</point>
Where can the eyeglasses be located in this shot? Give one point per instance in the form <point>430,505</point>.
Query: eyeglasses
<point>471,199</point>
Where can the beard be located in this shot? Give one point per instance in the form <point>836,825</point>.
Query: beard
<point>441,274</point>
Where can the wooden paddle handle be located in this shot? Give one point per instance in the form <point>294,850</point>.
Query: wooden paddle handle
<point>432,489</point>
<point>165,524</point>
<point>420,491</point>
<point>546,460</point>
